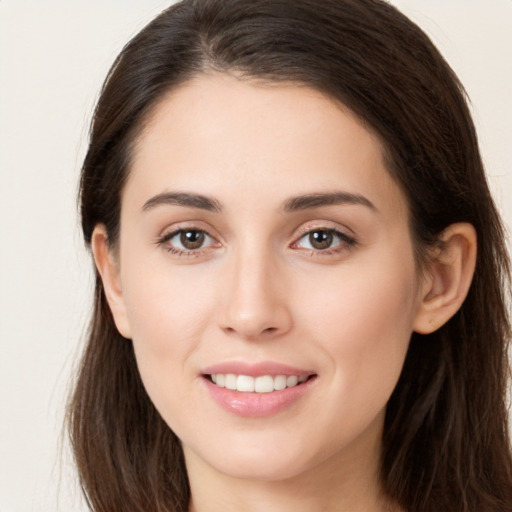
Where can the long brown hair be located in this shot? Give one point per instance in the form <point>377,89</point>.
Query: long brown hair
<point>445,442</point>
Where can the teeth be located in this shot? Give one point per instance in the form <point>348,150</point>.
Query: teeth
<point>262,384</point>
<point>279,382</point>
<point>291,381</point>
<point>245,383</point>
<point>230,382</point>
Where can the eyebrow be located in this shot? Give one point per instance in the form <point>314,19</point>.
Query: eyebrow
<point>298,203</point>
<point>307,201</point>
<point>183,199</point>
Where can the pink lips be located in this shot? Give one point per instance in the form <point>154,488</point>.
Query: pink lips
<point>256,404</point>
<point>254,370</point>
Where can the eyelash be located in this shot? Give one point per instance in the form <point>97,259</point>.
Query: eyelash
<point>345,242</point>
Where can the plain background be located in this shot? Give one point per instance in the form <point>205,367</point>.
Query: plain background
<point>53,57</point>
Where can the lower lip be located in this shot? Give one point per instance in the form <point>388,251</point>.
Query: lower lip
<point>256,405</point>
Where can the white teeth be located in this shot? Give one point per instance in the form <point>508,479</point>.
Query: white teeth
<point>262,384</point>
<point>245,383</point>
<point>292,381</point>
<point>280,382</point>
<point>230,381</point>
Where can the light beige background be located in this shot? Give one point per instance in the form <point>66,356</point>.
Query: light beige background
<point>53,57</point>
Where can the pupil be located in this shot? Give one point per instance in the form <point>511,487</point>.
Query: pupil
<point>321,239</point>
<point>192,239</point>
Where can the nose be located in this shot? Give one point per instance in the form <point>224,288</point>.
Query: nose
<point>255,299</point>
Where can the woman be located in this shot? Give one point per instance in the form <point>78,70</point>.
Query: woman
<point>301,275</point>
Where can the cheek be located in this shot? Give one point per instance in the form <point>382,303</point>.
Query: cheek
<point>364,324</point>
<point>166,306</point>
<point>168,314</point>
<point>167,323</point>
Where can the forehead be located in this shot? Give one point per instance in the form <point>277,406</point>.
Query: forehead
<point>217,130</point>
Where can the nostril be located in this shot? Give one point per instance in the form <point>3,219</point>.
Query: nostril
<point>254,321</point>
<point>266,331</point>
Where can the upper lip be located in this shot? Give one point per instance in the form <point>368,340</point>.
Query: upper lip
<point>255,369</point>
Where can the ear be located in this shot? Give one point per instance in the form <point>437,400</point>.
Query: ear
<point>107,264</point>
<point>447,278</point>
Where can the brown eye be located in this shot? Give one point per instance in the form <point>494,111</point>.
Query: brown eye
<point>187,241</point>
<point>325,241</point>
<point>321,239</point>
<point>192,239</point>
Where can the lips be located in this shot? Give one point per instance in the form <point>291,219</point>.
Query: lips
<point>256,390</point>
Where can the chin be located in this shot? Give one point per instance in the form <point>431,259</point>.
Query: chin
<point>261,468</point>
<point>267,457</point>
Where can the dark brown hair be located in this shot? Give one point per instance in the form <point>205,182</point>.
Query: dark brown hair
<point>445,442</point>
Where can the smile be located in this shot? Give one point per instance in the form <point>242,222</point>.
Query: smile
<point>261,384</point>
<point>260,395</point>
<point>257,389</point>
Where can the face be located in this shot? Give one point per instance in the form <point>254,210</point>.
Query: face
<point>266,277</point>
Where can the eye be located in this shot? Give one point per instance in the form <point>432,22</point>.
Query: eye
<point>187,240</point>
<point>324,240</point>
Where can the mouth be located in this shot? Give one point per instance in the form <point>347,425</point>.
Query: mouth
<point>259,384</point>
<point>257,389</point>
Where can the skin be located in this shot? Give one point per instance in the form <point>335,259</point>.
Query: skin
<point>257,290</point>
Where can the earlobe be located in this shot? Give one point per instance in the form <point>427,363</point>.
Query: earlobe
<point>108,268</point>
<point>449,275</point>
